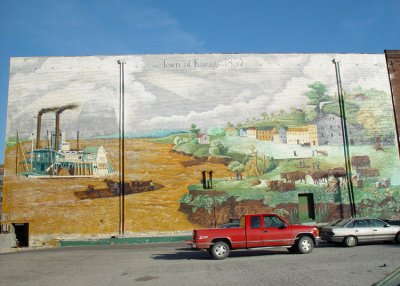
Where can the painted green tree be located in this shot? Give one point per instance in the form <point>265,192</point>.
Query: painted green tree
<point>237,168</point>
<point>316,94</point>
<point>218,148</point>
<point>194,130</point>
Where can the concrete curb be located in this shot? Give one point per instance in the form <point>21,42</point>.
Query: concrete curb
<point>123,240</point>
<point>393,279</point>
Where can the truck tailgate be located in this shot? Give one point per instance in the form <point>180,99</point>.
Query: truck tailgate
<point>236,237</point>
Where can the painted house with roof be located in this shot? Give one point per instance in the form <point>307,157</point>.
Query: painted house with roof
<point>203,138</point>
<point>243,132</point>
<point>252,132</point>
<point>302,135</point>
<point>231,132</point>
<point>266,133</point>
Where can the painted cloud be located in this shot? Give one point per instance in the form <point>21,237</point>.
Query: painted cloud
<point>173,91</point>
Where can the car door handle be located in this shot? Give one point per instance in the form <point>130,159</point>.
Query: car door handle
<point>265,230</point>
<point>375,230</point>
<point>356,230</point>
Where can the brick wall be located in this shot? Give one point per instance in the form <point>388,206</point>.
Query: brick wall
<point>393,65</point>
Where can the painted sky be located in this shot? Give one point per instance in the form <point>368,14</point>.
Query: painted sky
<point>169,92</point>
<point>77,28</point>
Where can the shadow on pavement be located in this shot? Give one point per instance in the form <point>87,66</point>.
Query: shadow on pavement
<point>189,254</point>
<point>385,244</point>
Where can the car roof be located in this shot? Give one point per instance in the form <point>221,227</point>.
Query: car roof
<point>357,218</point>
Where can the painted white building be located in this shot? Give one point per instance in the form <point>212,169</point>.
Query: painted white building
<point>302,135</point>
<point>252,132</point>
<point>203,139</point>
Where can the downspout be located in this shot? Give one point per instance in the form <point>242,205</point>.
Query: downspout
<point>345,139</point>
<point>121,148</point>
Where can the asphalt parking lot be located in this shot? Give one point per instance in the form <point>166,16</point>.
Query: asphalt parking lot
<point>176,264</point>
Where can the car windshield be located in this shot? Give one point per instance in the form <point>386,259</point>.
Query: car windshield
<point>332,223</point>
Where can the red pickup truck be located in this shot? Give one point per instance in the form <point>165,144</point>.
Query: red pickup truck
<point>256,231</point>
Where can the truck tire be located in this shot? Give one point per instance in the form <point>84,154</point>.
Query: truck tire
<point>305,245</point>
<point>350,241</point>
<point>220,250</point>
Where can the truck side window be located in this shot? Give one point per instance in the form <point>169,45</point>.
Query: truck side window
<point>267,221</point>
<point>255,222</point>
<point>272,221</point>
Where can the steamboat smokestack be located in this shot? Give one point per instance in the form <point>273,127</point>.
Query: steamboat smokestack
<point>38,129</point>
<point>59,111</point>
<point>56,144</point>
<point>39,123</point>
<point>77,140</point>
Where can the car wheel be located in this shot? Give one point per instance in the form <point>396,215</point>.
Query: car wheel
<point>350,241</point>
<point>397,238</point>
<point>305,245</point>
<point>220,250</point>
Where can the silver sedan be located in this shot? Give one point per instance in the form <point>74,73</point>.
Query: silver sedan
<point>354,230</point>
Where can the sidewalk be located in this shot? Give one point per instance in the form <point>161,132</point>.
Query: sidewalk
<point>7,242</point>
<point>8,245</point>
<point>124,240</point>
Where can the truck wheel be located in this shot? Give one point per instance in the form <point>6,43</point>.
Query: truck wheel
<point>220,250</point>
<point>350,241</point>
<point>305,245</point>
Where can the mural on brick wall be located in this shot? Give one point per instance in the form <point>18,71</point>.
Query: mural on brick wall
<point>207,138</point>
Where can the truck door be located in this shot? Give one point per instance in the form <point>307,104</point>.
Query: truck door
<point>275,232</point>
<point>254,231</point>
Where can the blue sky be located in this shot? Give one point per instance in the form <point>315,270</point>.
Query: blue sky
<point>112,27</point>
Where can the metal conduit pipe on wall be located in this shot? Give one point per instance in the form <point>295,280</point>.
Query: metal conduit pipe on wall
<point>121,148</point>
<point>345,139</point>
